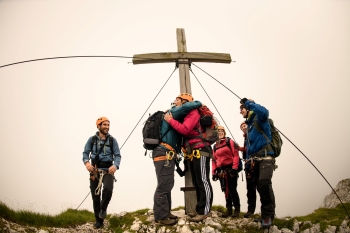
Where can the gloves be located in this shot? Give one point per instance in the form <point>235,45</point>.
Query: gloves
<point>233,173</point>
<point>215,177</point>
<point>243,101</point>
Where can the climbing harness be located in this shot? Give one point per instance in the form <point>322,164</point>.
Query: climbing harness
<point>168,156</point>
<point>196,154</point>
<point>100,179</point>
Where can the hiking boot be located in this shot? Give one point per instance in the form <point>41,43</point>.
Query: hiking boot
<point>227,213</point>
<point>103,214</point>
<point>199,217</point>
<point>98,225</point>
<point>266,222</point>
<point>236,213</point>
<point>171,216</point>
<point>166,222</point>
<point>248,214</point>
<point>192,214</point>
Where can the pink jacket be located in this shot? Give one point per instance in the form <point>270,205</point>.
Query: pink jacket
<point>188,128</point>
<point>225,156</point>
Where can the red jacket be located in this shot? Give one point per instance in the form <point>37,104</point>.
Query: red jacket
<point>225,156</point>
<point>188,128</point>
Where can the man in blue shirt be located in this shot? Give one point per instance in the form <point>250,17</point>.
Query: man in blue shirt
<point>103,151</point>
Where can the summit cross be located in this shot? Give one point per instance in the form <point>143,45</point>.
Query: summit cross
<point>183,59</point>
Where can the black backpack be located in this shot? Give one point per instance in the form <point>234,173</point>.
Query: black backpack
<point>228,144</point>
<point>151,130</point>
<point>276,140</point>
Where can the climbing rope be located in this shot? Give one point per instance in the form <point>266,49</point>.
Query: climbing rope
<point>98,188</point>
<point>213,104</point>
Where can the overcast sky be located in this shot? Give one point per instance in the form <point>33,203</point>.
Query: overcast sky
<point>293,57</point>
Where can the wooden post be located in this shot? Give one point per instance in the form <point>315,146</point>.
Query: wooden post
<point>183,59</point>
<point>185,87</point>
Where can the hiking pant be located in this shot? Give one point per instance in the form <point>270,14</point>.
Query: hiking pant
<point>251,189</point>
<point>165,183</point>
<point>232,197</point>
<point>200,170</point>
<point>108,182</point>
<point>267,197</point>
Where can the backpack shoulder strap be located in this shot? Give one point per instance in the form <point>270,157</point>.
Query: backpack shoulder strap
<point>111,143</point>
<point>259,129</point>
<point>93,140</point>
<point>228,142</point>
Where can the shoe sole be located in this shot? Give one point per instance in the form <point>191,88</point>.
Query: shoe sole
<point>162,224</point>
<point>195,220</point>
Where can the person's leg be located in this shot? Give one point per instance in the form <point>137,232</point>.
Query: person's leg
<point>96,199</point>
<point>108,184</point>
<point>228,206</point>
<point>205,190</point>
<point>194,179</point>
<point>265,190</point>
<point>251,194</point>
<point>165,183</point>
<point>232,188</point>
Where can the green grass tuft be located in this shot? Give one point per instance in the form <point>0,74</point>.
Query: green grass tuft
<point>68,218</point>
<point>117,223</point>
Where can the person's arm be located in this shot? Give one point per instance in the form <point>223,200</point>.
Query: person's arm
<point>87,151</point>
<point>213,163</point>
<point>181,111</point>
<point>235,155</point>
<point>260,111</point>
<point>86,155</point>
<point>188,124</point>
<point>116,152</point>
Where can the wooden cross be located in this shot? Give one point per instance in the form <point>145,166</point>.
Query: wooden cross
<point>183,59</point>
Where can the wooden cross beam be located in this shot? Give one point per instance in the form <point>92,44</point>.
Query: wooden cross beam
<point>183,59</point>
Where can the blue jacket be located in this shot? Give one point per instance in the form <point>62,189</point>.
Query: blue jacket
<point>107,154</point>
<point>168,134</point>
<point>256,140</point>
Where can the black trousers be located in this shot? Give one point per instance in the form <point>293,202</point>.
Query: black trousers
<point>107,191</point>
<point>200,170</point>
<point>251,184</point>
<point>232,199</point>
<point>165,183</point>
<point>264,179</point>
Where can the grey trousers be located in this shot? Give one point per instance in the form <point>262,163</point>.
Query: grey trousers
<point>165,183</point>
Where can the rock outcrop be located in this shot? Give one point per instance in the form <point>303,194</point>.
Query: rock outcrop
<point>343,191</point>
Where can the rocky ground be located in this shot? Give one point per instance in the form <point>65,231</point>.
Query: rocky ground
<point>214,224</point>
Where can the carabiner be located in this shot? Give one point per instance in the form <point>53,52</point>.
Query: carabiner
<point>170,155</point>
<point>196,154</point>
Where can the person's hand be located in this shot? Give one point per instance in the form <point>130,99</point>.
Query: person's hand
<point>233,173</point>
<point>89,167</point>
<point>168,116</point>
<point>215,177</point>
<point>112,169</point>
